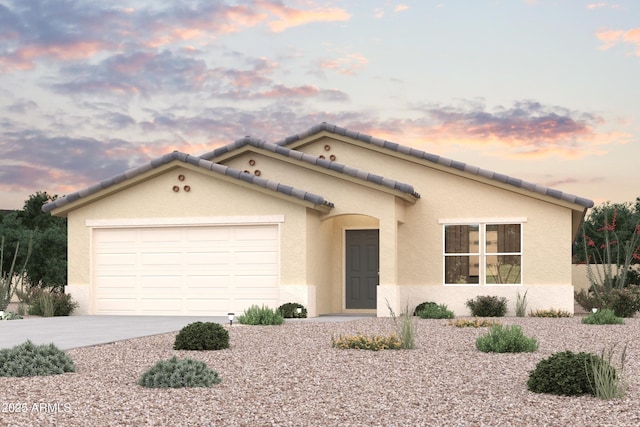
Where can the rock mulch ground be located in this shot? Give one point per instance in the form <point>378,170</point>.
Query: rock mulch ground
<point>290,375</point>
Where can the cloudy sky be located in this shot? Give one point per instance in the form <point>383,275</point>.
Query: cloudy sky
<point>543,90</point>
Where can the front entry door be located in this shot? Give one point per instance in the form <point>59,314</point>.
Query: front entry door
<point>362,267</point>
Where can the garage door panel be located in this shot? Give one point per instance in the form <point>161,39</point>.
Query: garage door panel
<point>209,281</point>
<point>116,305</point>
<point>183,270</point>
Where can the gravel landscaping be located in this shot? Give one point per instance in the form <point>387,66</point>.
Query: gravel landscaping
<point>290,375</point>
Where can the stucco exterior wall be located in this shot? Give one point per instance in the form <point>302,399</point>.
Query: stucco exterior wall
<point>208,198</point>
<point>546,239</point>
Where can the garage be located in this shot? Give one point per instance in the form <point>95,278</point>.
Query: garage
<point>184,270</point>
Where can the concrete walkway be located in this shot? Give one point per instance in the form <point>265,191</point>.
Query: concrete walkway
<point>81,331</point>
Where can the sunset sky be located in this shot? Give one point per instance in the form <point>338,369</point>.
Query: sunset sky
<point>543,90</point>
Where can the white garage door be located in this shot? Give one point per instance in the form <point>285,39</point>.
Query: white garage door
<point>188,270</point>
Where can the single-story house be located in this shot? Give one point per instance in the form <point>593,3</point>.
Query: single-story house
<point>339,221</point>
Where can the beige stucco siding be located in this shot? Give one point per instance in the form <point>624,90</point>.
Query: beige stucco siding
<point>207,198</point>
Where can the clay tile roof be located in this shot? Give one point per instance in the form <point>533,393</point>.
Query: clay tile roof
<point>194,160</point>
<point>327,127</point>
<point>314,160</point>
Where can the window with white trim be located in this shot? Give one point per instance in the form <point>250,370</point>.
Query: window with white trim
<point>483,254</point>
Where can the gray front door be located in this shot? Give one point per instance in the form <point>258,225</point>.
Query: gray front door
<point>362,266</point>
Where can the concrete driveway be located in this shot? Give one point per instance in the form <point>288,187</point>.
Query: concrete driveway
<point>81,331</point>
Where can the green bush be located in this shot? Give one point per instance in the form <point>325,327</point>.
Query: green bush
<point>506,339</point>
<point>202,336</point>
<point>603,317</point>
<point>423,305</point>
<point>10,315</point>
<point>46,303</point>
<point>565,374</point>
<point>176,373</point>
<point>290,311</point>
<point>361,342</point>
<point>487,306</point>
<point>264,315</point>
<point>436,311</point>
<point>30,360</point>
<point>625,302</point>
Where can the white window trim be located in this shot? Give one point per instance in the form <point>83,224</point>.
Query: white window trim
<point>482,223</point>
<point>185,221</point>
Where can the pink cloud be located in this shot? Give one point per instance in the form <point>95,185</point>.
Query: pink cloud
<point>611,38</point>
<point>348,64</point>
<point>401,8</point>
<point>290,17</point>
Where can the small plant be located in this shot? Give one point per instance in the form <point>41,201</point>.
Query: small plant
<point>507,339</point>
<point>176,373</point>
<point>264,315</point>
<point>602,317</point>
<point>12,279</point>
<point>436,311</point>
<point>474,323</point>
<point>564,374</point>
<point>10,315</point>
<point>290,311</point>
<point>521,304</point>
<point>406,329</point>
<point>30,360</point>
<point>625,302</point>
<point>51,303</point>
<point>487,306</point>
<point>361,342</point>
<point>422,306</point>
<point>550,313</point>
<point>202,336</point>
<point>607,383</point>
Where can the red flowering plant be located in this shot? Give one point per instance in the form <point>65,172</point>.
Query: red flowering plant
<point>610,255</point>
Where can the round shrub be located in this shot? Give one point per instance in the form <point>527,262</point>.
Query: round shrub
<point>565,374</point>
<point>30,360</point>
<point>436,311</point>
<point>422,306</point>
<point>290,311</point>
<point>176,373</point>
<point>506,339</point>
<point>263,315</point>
<point>202,336</point>
<point>603,317</point>
<point>487,306</point>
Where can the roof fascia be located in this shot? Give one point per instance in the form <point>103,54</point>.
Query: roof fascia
<point>62,211</point>
<point>443,168</point>
<point>291,160</point>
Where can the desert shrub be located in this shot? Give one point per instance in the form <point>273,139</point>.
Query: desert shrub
<point>603,317</point>
<point>507,339</point>
<point>521,304</point>
<point>202,336</point>
<point>423,305</point>
<point>406,327</point>
<point>474,323</point>
<point>264,315</point>
<point>51,303</point>
<point>565,374</point>
<point>608,381</point>
<point>30,360</point>
<point>550,313</point>
<point>10,315</point>
<point>487,306</point>
<point>290,311</point>
<point>436,311</point>
<point>176,373</point>
<point>625,302</point>
<point>362,342</point>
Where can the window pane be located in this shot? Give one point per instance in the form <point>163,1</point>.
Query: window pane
<point>462,269</point>
<point>503,269</point>
<point>503,238</point>
<point>461,239</point>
